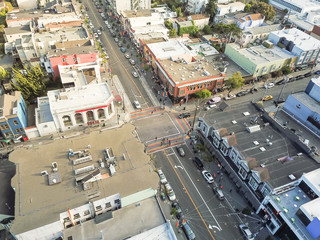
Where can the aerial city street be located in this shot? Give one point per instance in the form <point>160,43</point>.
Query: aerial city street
<point>160,119</point>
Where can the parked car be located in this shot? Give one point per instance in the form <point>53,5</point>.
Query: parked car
<point>266,98</point>
<point>187,231</point>
<point>246,232</point>
<point>230,96</point>
<point>170,192</point>
<point>116,40</point>
<point>299,77</point>
<point>136,104</point>
<point>198,163</point>
<point>123,49</point>
<point>99,32</point>
<point>96,35</point>
<point>214,100</point>
<point>210,107</point>
<point>218,192</point>
<point>242,93</point>
<point>207,176</point>
<point>163,178</point>
<point>181,151</point>
<point>106,22</point>
<point>316,72</point>
<point>184,115</point>
<point>127,55</point>
<point>269,85</point>
<point>99,10</point>
<point>119,44</point>
<point>178,208</point>
<point>135,74</point>
<point>133,62</point>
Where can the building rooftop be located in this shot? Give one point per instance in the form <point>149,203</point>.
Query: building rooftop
<point>139,13</point>
<point>300,22</point>
<point>231,4</point>
<point>308,101</point>
<point>281,145</point>
<point>301,40</point>
<point>8,103</point>
<point>184,23</point>
<point>148,38</point>
<point>182,73</point>
<point>203,49</point>
<point>263,29</point>
<point>17,30</point>
<point>260,54</point>
<point>79,97</point>
<point>166,50</point>
<point>72,50</point>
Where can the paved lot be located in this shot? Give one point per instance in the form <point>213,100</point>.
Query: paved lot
<point>42,203</point>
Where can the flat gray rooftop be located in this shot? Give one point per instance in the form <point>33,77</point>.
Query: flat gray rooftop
<point>126,222</point>
<point>281,146</point>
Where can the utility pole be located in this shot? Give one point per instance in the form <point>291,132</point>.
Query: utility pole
<point>195,114</point>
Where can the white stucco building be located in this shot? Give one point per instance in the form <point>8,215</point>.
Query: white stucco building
<point>223,9</point>
<point>124,5</point>
<point>73,107</point>
<point>196,6</point>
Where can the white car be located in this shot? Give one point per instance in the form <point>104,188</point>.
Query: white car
<point>106,22</point>
<point>99,32</point>
<point>135,74</point>
<point>133,62</point>
<point>269,85</point>
<point>137,104</point>
<point>246,232</point>
<point>96,35</point>
<point>230,96</point>
<point>207,176</point>
<point>127,55</point>
<point>163,179</point>
<point>210,107</point>
<point>170,192</point>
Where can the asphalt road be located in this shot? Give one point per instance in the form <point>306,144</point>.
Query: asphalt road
<point>208,217</point>
<point>118,63</point>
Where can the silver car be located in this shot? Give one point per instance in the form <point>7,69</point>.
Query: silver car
<point>246,232</point>
<point>136,104</point>
<point>135,74</point>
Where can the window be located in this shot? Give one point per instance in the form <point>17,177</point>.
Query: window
<point>66,120</point>
<point>101,113</point>
<point>182,92</point>
<point>4,127</point>
<point>19,130</point>
<point>76,216</point>
<point>243,174</point>
<point>90,116</point>
<point>117,201</point>
<point>63,60</point>
<point>253,183</point>
<point>199,86</point>
<point>15,122</point>
<point>86,213</point>
<point>204,129</point>
<point>192,88</point>
<point>108,205</point>
<point>78,118</point>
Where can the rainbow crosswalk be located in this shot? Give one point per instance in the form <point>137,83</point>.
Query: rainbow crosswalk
<point>144,112</point>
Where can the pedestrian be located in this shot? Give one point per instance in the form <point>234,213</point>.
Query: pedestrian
<point>169,142</point>
<point>156,138</point>
<point>230,190</point>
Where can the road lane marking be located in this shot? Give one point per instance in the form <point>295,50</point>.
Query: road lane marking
<point>189,196</point>
<point>200,194</point>
<point>118,57</point>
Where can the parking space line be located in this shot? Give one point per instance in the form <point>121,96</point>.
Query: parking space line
<point>187,192</point>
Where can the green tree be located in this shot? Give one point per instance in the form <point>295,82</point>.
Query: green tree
<point>263,8</point>
<point>226,31</point>
<point>174,9</point>
<point>206,29</point>
<point>235,82</point>
<point>286,70</point>
<point>3,74</point>
<point>179,12</point>
<point>128,46</point>
<point>205,93</point>
<point>29,81</point>
<point>173,33</point>
<point>247,8</point>
<point>168,24</point>
<point>211,9</point>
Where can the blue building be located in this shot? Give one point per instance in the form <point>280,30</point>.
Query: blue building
<point>305,107</point>
<point>13,117</point>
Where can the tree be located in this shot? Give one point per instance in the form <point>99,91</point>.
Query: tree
<point>29,81</point>
<point>179,13</point>
<point>3,74</point>
<point>205,93</point>
<point>235,82</point>
<point>173,33</point>
<point>247,8</point>
<point>206,29</point>
<point>226,31</point>
<point>211,9</point>
<point>286,70</point>
<point>168,24</point>
<point>263,8</point>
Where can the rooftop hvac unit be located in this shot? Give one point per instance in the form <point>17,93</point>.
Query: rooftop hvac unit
<point>83,170</point>
<point>82,160</point>
<point>253,129</point>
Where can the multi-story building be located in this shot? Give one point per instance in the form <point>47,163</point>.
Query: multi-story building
<point>181,71</point>
<point>258,34</point>
<point>298,43</point>
<point>73,107</point>
<point>304,106</point>
<point>13,117</point>
<point>119,6</point>
<point>27,4</point>
<point>199,21</point>
<point>259,60</point>
<point>233,7</point>
<point>196,6</point>
<point>250,21</point>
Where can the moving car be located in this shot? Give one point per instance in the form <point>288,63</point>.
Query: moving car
<point>198,163</point>
<point>184,115</point>
<point>133,62</point>
<point>187,230</point>
<point>181,151</point>
<point>178,208</point>
<point>170,192</point>
<point>246,232</point>
<point>266,98</point>
<point>218,192</point>
<point>163,178</point>
<point>136,104</point>
<point>207,176</point>
<point>269,85</point>
<point>135,74</point>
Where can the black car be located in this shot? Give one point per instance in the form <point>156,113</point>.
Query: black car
<point>198,163</point>
<point>242,93</point>
<point>178,208</point>
<point>308,74</point>
<point>184,115</point>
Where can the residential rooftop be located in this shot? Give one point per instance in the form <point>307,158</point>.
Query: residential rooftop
<point>8,103</point>
<point>181,73</point>
<point>300,39</point>
<point>17,30</point>
<point>77,97</point>
<point>231,4</point>
<point>263,29</point>
<point>148,38</point>
<point>260,54</point>
<point>139,13</point>
<point>281,146</point>
<point>308,101</point>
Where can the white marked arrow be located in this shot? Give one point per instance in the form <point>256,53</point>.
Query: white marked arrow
<point>213,226</point>
<point>175,166</point>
